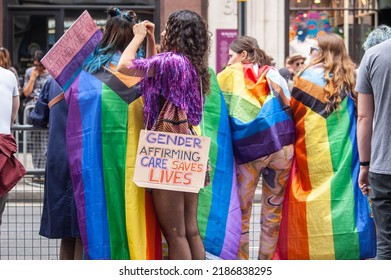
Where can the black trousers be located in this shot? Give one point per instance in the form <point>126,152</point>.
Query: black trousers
<point>381,207</point>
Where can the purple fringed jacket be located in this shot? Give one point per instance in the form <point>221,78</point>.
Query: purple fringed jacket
<point>174,78</point>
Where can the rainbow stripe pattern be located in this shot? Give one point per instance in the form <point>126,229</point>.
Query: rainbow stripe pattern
<point>116,218</point>
<point>258,105</point>
<point>219,215</point>
<point>325,215</point>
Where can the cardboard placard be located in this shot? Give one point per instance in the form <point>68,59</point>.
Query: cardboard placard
<point>170,161</point>
<point>65,58</point>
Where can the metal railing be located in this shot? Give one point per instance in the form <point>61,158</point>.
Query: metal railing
<point>19,232</point>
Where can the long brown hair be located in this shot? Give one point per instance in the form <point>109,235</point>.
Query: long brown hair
<point>339,69</point>
<point>117,35</point>
<point>249,44</point>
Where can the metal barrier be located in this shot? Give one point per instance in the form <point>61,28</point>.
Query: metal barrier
<point>19,232</point>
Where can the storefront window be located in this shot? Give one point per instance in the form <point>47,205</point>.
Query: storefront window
<point>351,19</point>
<point>83,2</point>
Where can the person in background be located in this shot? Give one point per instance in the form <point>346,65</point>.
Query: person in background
<point>296,63</point>
<point>325,216</point>
<point>59,215</point>
<point>11,170</point>
<point>378,35</point>
<point>257,97</point>
<point>374,88</point>
<point>35,78</point>
<point>5,62</point>
<point>179,81</point>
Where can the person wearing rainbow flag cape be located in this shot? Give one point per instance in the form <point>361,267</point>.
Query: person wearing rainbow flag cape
<point>257,97</point>
<point>177,82</point>
<point>116,218</point>
<point>106,114</point>
<point>325,215</point>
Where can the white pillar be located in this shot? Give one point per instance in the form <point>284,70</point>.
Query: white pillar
<point>222,14</point>
<point>266,23</point>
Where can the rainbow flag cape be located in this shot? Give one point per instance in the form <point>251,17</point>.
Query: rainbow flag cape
<point>325,215</point>
<point>219,215</point>
<point>258,105</point>
<point>116,218</point>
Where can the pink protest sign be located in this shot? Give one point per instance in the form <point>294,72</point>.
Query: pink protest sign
<point>65,58</point>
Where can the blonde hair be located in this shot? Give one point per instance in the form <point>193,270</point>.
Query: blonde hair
<point>339,69</point>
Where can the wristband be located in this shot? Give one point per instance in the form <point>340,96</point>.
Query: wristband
<point>364,163</point>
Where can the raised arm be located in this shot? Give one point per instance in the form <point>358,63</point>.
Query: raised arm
<point>140,30</point>
<point>151,44</point>
<point>29,82</point>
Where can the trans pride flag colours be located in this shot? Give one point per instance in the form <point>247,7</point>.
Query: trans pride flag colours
<point>116,218</point>
<point>325,215</point>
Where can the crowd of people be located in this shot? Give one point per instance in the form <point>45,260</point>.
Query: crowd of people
<point>305,130</point>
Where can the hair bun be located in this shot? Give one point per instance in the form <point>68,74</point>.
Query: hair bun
<point>131,14</point>
<point>113,11</point>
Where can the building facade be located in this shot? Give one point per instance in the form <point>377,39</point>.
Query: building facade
<point>28,25</point>
<point>282,27</point>
<point>285,27</point>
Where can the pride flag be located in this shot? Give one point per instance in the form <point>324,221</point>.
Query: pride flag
<point>116,218</point>
<point>219,215</point>
<point>325,215</point>
<point>258,104</point>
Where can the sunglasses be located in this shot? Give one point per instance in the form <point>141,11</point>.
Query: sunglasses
<point>313,49</point>
<point>38,65</point>
<point>299,63</point>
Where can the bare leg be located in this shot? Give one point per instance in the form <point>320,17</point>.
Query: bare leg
<point>67,248</point>
<point>192,232</point>
<point>78,254</point>
<point>71,249</point>
<point>170,211</point>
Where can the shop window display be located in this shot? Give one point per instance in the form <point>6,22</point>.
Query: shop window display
<point>351,19</point>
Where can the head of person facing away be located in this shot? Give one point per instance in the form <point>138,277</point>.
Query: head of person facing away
<point>245,49</point>
<point>378,35</point>
<point>187,33</point>
<point>339,68</point>
<point>5,58</point>
<point>118,33</point>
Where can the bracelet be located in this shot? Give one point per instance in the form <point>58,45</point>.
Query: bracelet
<point>364,163</point>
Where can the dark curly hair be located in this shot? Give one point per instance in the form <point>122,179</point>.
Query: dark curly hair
<point>187,33</point>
